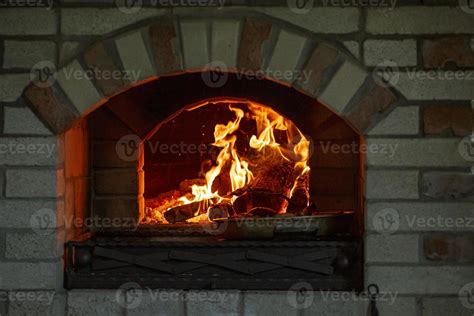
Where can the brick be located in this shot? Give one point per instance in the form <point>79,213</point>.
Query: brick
<point>134,56</point>
<point>94,21</point>
<point>447,120</point>
<point>164,41</point>
<point>390,306</point>
<point>286,55</point>
<point>18,213</point>
<point>448,185</point>
<point>425,217</point>
<point>36,303</point>
<point>29,151</point>
<point>31,183</point>
<point>165,302</point>
<point>124,210</point>
<point>28,21</point>
<point>105,155</point>
<point>32,246</point>
<point>343,86</point>
<point>416,152</point>
<point>353,48</point>
<point>424,280</point>
<point>419,20</point>
<point>78,87</point>
<point>118,182</point>
<point>403,53</point>
<point>449,248</point>
<point>52,106</point>
<point>384,184</point>
<point>322,61</point>
<point>23,275</point>
<point>401,121</point>
<point>334,303</point>
<point>368,110</point>
<point>443,306</point>
<point>436,85</point>
<point>448,51</point>
<point>68,51</point>
<point>202,303</point>
<point>318,20</point>
<point>195,40</point>
<point>18,54</point>
<point>97,58</point>
<point>267,303</point>
<point>225,42</point>
<point>95,302</point>
<point>22,121</point>
<point>386,248</point>
<point>12,86</point>
<point>251,52</point>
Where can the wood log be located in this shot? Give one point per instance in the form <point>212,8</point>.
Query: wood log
<point>300,198</point>
<point>221,210</point>
<point>183,212</point>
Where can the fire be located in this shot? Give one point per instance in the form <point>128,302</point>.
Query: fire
<point>263,149</point>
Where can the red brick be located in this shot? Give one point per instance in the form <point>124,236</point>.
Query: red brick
<point>446,120</point>
<point>441,53</point>
<point>449,248</point>
<point>161,35</point>
<point>254,35</point>
<point>117,182</point>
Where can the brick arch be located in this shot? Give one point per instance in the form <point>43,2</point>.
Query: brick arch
<point>258,45</point>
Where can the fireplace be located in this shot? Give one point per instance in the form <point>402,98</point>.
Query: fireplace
<point>240,186</point>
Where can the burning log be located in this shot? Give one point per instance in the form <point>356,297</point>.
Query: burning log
<point>221,210</point>
<point>300,197</point>
<point>184,212</point>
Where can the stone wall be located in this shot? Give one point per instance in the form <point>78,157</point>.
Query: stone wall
<point>420,195</point>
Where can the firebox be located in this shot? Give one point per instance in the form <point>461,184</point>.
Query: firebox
<point>181,184</point>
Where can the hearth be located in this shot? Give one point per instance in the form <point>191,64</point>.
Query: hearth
<point>229,187</point>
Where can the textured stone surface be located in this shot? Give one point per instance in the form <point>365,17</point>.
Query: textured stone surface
<point>420,280</point>
<point>425,217</point>
<point>319,19</point>
<point>153,302</point>
<point>403,53</point>
<point>335,303</point>
<point>225,42</point>
<point>17,213</point>
<point>419,20</point>
<point>268,303</point>
<point>105,155</point>
<point>28,21</point>
<point>254,35</point>
<point>373,104</point>
<point>417,152</point>
<point>195,40</point>
<point>95,302</point>
<point>443,306</point>
<point>164,41</point>
<point>22,121</point>
<point>117,181</point>
<point>449,248</point>
<point>23,275</point>
<point>448,120</point>
<point>436,85</point>
<point>68,51</point>
<point>12,85</point>
<point>121,209</point>
<point>353,47</point>
<point>448,185</point>
<point>135,56</point>
<point>32,245</point>
<point>387,248</point>
<point>30,183</point>
<point>36,303</point>
<point>212,303</point>
<point>345,83</point>
<point>78,87</point>
<point>98,59</point>
<point>385,184</point>
<point>19,54</point>
<point>30,151</point>
<point>447,51</point>
<point>94,21</point>
<point>390,306</point>
<point>401,121</point>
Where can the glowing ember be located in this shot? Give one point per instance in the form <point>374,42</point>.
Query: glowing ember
<point>274,164</point>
